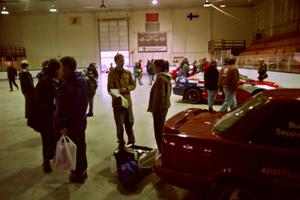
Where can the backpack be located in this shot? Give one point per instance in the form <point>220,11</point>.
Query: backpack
<point>129,172</point>
<point>92,82</point>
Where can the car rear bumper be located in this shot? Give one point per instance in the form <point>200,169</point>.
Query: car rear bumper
<point>181,179</point>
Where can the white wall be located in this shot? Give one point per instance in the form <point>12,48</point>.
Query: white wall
<point>52,36</point>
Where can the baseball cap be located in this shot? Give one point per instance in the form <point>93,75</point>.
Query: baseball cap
<point>24,62</point>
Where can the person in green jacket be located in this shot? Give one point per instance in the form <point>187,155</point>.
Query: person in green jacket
<point>121,80</point>
<point>159,101</point>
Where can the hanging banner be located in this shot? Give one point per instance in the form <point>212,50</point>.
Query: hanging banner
<point>152,42</point>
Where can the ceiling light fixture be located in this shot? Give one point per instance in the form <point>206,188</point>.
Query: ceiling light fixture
<point>102,6</point>
<point>222,5</point>
<point>154,2</point>
<point>206,4</point>
<point>52,8</point>
<point>4,11</point>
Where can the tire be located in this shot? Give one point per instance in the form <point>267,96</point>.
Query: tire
<point>232,191</point>
<point>192,96</point>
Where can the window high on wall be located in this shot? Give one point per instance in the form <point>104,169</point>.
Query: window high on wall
<point>113,39</point>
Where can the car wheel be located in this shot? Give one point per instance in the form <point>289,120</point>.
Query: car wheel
<point>232,192</point>
<point>192,96</point>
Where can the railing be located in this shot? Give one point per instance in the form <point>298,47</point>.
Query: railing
<point>280,63</point>
<point>12,51</point>
<point>235,46</point>
<point>278,30</point>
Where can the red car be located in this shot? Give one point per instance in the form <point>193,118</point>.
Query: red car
<point>192,89</point>
<point>252,152</point>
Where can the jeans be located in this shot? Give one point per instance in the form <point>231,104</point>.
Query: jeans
<point>159,122</point>
<point>229,101</point>
<point>151,78</point>
<point>49,139</point>
<point>139,79</point>
<point>91,103</point>
<point>211,98</point>
<point>81,159</point>
<point>12,81</point>
<point>124,116</point>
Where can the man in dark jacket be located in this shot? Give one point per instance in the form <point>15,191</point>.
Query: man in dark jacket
<point>70,114</point>
<point>27,87</point>
<point>211,78</point>
<point>11,75</point>
<point>262,70</point>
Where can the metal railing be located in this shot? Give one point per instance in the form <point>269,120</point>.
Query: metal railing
<point>281,63</point>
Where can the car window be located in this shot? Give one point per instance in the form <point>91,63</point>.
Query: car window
<point>233,118</point>
<point>281,128</point>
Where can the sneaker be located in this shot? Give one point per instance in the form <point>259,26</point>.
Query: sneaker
<point>47,167</point>
<point>130,144</point>
<point>90,115</point>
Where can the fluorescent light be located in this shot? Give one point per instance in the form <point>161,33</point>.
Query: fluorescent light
<point>206,4</point>
<point>52,8</point>
<point>4,11</point>
<point>222,5</point>
<point>154,2</point>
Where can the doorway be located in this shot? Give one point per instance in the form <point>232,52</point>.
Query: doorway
<point>114,38</point>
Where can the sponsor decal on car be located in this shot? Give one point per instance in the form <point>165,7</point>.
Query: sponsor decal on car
<point>281,172</point>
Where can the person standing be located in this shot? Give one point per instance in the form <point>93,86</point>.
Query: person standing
<point>151,71</point>
<point>122,80</point>
<point>137,73</point>
<point>92,87</point>
<point>211,78</point>
<point>70,115</point>
<point>43,72</point>
<point>229,80</point>
<point>262,70</point>
<point>44,96</point>
<point>27,87</point>
<point>11,75</point>
<point>159,101</point>
<point>92,68</point>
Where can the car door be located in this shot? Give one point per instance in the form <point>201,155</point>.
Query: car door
<point>277,143</point>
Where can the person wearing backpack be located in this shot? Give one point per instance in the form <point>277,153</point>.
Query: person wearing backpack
<point>44,108</point>
<point>92,87</point>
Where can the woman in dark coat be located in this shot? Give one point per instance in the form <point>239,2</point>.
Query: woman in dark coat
<point>45,93</point>
<point>211,78</point>
<point>159,101</point>
<point>27,87</point>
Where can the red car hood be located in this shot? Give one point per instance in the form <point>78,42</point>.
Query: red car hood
<point>193,123</point>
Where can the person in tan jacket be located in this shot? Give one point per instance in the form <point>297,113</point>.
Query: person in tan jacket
<point>159,101</point>
<point>122,80</point>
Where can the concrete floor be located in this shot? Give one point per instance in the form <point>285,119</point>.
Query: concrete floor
<point>21,175</point>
